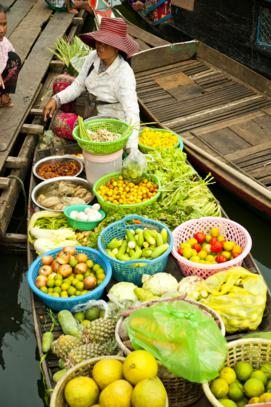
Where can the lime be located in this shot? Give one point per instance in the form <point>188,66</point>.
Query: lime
<point>243,370</point>
<point>219,388</point>
<point>259,374</point>
<point>227,403</point>
<point>228,374</point>
<point>254,387</point>
<point>92,313</point>
<point>235,391</point>
<point>79,316</point>
<point>266,368</point>
<point>242,402</point>
<point>265,397</point>
<point>86,323</point>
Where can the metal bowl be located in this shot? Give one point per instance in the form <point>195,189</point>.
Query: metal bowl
<point>54,159</point>
<point>43,186</point>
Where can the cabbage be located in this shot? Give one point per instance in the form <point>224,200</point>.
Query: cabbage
<point>160,283</point>
<point>44,244</point>
<point>122,292</point>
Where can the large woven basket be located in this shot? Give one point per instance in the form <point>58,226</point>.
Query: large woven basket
<point>82,369</point>
<point>180,392</point>
<point>255,351</point>
<point>228,228</point>
<point>105,147</point>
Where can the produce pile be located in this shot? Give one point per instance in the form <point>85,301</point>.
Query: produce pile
<point>156,138</point>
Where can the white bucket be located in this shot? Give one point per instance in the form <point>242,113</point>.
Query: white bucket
<point>98,165</point>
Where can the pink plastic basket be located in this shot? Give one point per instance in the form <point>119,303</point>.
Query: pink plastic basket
<point>228,228</point>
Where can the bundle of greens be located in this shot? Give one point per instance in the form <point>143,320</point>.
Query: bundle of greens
<point>72,54</point>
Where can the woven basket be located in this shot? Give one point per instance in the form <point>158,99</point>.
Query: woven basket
<point>228,228</point>
<point>105,147</point>
<point>109,205</point>
<point>82,369</point>
<point>146,149</point>
<point>180,392</point>
<point>255,351</point>
<point>133,270</point>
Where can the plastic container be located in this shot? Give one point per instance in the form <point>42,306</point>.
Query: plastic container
<point>81,224</point>
<point>58,303</point>
<point>228,228</point>
<point>98,165</point>
<point>133,270</point>
<point>106,205</point>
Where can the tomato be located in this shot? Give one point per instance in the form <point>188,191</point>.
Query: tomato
<point>213,240</point>
<point>216,247</point>
<point>200,236</point>
<point>197,247</point>
<point>180,251</point>
<point>220,259</point>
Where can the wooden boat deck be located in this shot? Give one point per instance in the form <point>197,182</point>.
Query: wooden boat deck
<point>220,107</point>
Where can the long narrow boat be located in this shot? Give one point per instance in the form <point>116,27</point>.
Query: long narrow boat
<point>220,107</point>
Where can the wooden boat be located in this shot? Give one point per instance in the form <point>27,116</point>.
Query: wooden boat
<point>220,107</point>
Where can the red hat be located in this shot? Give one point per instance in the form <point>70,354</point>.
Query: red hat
<point>113,32</point>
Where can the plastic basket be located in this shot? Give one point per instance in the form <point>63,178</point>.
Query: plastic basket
<point>109,205</point>
<point>146,149</point>
<point>106,147</point>
<point>58,303</point>
<point>80,224</point>
<point>181,392</point>
<point>228,228</point>
<point>255,351</point>
<point>133,270</point>
<point>82,369</point>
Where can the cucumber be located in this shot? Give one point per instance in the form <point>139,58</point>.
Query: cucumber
<point>46,341</point>
<point>68,323</point>
<point>57,375</point>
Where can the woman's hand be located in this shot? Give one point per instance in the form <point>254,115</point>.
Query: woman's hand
<point>138,6</point>
<point>2,85</point>
<point>49,109</point>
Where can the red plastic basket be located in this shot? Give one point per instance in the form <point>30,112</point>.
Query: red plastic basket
<point>228,228</point>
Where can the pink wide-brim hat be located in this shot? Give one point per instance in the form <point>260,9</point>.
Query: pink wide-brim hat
<point>113,32</point>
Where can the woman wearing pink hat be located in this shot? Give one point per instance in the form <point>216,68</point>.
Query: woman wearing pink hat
<point>107,76</point>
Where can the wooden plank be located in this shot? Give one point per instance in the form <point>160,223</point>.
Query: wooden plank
<point>4,182</point>
<point>32,128</point>
<point>31,77</point>
<point>188,5</point>
<point>237,155</point>
<point>17,13</point>
<point>145,36</point>
<point>36,111</point>
<point>225,141</point>
<point>142,45</point>
<point>7,3</point>
<point>15,162</point>
<point>29,29</point>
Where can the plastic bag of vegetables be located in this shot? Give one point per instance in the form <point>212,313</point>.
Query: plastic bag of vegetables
<point>237,295</point>
<point>186,340</point>
<point>134,166</point>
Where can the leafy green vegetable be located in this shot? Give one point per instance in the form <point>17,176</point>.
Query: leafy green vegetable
<point>66,51</point>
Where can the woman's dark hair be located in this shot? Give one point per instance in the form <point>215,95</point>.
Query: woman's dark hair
<point>2,9</point>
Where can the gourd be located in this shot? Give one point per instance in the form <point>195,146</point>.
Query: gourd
<point>68,323</point>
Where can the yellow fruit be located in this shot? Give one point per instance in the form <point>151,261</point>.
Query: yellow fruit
<point>227,403</point>
<point>81,391</point>
<point>243,370</point>
<point>260,375</point>
<point>219,388</point>
<point>254,400</point>
<point>228,374</point>
<point>107,371</point>
<point>265,397</point>
<point>253,387</point>
<point>139,365</point>
<point>149,392</point>
<point>116,394</point>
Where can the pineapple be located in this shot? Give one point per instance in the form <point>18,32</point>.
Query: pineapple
<point>64,344</point>
<point>90,350</point>
<point>100,330</point>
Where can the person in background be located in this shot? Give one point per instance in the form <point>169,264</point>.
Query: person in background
<point>158,11</point>
<point>10,64</point>
<point>107,76</point>
<point>71,6</point>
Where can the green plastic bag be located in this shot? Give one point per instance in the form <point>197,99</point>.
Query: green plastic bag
<point>184,339</point>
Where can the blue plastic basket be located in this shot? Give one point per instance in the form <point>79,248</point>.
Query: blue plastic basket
<point>133,270</point>
<point>58,303</point>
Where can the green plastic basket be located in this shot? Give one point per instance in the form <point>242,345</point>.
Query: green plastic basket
<point>105,147</point>
<point>146,149</point>
<point>80,224</point>
<point>108,205</point>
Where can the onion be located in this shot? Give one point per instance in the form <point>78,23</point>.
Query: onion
<point>41,281</point>
<point>47,260</point>
<point>81,257</point>
<point>55,265</point>
<point>90,282</point>
<point>63,258</point>
<point>65,270</point>
<point>69,250</point>
<point>81,268</point>
<point>45,270</point>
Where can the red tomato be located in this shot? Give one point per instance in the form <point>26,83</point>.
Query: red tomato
<point>180,251</point>
<point>213,240</point>
<point>197,247</point>
<point>200,236</point>
<point>220,259</point>
<point>217,247</point>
